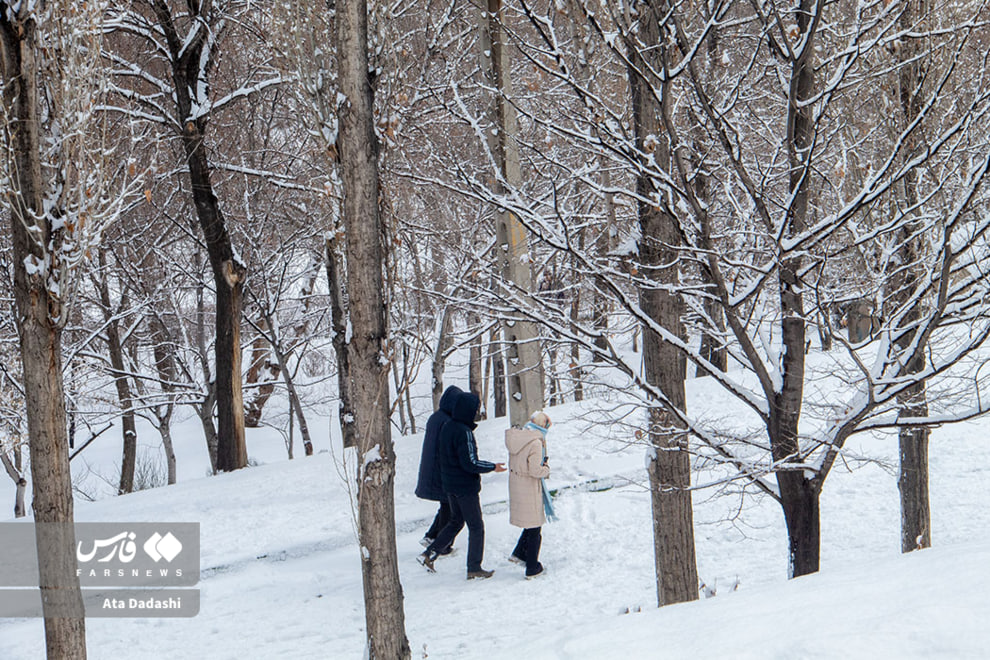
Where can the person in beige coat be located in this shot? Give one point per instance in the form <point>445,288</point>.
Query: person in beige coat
<point>527,499</point>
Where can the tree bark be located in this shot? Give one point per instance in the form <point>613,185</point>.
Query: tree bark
<point>444,342</point>
<point>20,484</point>
<point>576,373</point>
<point>474,363</point>
<point>124,397</point>
<point>522,345</point>
<point>669,466</point>
<point>204,410</point>
<point>799,494</point>
<point>229,272</point>
<point>800,500</point>
<point>338,320</point>
<point>38,312</point>
<point>912,481</point>
<point>498,374</point>
<point>260,364</point>
<point>384,614</point>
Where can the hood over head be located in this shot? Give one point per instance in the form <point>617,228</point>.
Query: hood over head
<point>518,439</point>
<point>466,408</point>
<point>448,398</point>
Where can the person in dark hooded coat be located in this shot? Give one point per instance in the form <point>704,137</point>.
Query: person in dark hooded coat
<point>429,486</point>
<point>460,472</point>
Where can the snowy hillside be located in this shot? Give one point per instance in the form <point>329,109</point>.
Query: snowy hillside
<point>281,576</point>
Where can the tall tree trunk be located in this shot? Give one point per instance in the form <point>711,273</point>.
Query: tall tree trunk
<point>665,367</point>
<point>228,277</point>
<point>799,494</point>
<point>38,310</point>
<point>384,614</point>
<point>188,78</point>
<point>912,482</point>
<point>121,383</point>
<point>522,344</point>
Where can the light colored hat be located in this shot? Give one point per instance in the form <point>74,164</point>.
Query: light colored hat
<point>540,418</point>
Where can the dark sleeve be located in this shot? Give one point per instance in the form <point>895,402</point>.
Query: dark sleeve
<point>467,456</point>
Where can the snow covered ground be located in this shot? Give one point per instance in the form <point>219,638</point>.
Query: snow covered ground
<point>281,575</point>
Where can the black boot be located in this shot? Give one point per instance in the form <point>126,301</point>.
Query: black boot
<point>426,559</point>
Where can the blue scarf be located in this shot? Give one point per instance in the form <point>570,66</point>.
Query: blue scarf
<point>547,501</point>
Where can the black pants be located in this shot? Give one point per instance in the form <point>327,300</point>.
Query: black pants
<point>528,549</point>
<point>440,520</point>
<point>464,509</point>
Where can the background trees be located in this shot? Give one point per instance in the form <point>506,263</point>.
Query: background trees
<point>66,182</point>
<point>631,193</point>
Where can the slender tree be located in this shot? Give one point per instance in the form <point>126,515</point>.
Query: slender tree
<point>367,345</point>
<point>62,190</point>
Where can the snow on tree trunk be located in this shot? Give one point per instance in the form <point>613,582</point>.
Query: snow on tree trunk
<point>521,338</point>
<point>912,481</point>
<point>664,365</point>
<point>366,345</point>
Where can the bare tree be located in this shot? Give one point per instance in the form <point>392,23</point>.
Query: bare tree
<point>367,345</point>
<point>62,189</point>
<point>187,40</point>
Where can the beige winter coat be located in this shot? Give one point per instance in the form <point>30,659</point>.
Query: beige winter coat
<point>525,471</point>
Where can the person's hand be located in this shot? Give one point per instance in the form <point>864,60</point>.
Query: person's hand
<point>500,467</point>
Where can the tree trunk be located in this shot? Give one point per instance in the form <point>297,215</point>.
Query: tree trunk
<point>19,481</point>
<point>295,403</point>
<point>444,342</point>
<point>799,499</point>
<point>665,367</point>
<point>384,614</point>
<point>474,363</point>
<point>398,384</point>
<point>187,57</point>
<point>205,409</point>
<point>128,427</point>
<point>576,373</point>
<point>712,348</point>
<point>262,374</point>
<point>912,481</point>
<point>798,494</point>
<point>338,320</point>
<point>406,388</point>
<point>261,368</point>
<point>37,311</point>
<point>554,384</point>
<point>167,374</point>
<point>116,350</point>
<point>498,374</point>
<point>522,345</point>
<point>916,532</point>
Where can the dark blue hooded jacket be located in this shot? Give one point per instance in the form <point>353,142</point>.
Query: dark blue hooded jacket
<point>429,486</point>
<point>460,468</point>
